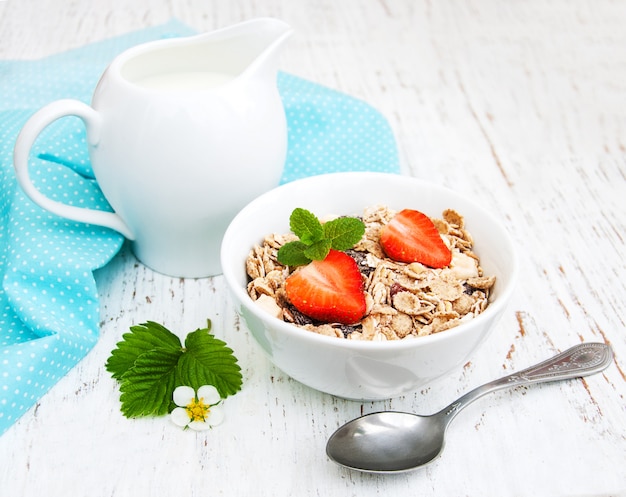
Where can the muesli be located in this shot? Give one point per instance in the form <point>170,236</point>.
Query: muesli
<point>403,299</point>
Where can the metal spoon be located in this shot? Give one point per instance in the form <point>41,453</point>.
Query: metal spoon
<point>386,442</point>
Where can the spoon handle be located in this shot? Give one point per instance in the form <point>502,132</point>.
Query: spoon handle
<point>580,360</point>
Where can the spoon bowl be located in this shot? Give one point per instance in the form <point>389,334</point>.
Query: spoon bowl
<point>388,442</point>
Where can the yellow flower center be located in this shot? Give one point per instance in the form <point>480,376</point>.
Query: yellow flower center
<point>198,410</point>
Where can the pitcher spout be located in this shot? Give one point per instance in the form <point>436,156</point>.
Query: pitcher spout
<point>244,49</point>
<point>259,42</point>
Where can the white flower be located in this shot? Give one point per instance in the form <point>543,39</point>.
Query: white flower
<point>198,412</point>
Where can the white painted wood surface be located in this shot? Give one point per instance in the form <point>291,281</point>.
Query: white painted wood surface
<point>521,105</point>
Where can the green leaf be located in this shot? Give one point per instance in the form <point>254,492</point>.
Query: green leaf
<point>142,338</point>
<point>319,250</point>
<point>316,239</point>
<point>209,361</point>
<point>292,254</point>
<point>344,232</point>
<point>147,388</point>
<point>151,362</point>
<point>306,226</point>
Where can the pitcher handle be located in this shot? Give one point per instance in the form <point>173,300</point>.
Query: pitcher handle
<point>21,153</point>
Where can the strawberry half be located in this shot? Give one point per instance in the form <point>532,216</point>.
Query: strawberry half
<point>330,290</point>
<point>411,236</point>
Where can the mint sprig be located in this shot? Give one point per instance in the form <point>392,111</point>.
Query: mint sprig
<point>317,239</point>
<point>150,362</point>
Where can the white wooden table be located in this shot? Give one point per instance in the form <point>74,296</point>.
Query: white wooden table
<point>521,105</point>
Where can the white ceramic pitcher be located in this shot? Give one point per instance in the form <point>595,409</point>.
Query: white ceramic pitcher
<point>182,133</point>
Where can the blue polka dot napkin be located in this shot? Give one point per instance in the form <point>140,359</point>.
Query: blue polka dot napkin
<point>49,313</point>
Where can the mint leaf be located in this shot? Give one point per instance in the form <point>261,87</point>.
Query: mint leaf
<point>318,251</point>
<point>293,254</point>
<point>306,226</point>
<point>141,339</point>
<point>344,232</point>
<point>147,388</point>
<point>209,361</point>
<point>316,239</point>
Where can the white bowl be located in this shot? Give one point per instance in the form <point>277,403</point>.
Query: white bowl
<point>353,369</point>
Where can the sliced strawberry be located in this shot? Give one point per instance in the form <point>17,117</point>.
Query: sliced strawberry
<point>411,236</point>
<point>330,290</point>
